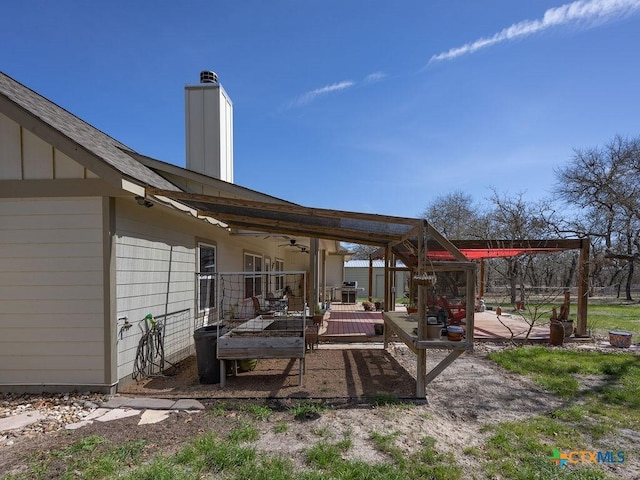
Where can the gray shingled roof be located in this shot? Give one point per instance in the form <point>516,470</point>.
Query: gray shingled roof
<point>86,136</point>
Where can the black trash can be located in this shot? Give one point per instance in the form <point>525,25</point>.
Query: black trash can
<point>206,340</point>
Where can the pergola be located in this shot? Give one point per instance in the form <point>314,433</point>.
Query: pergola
<point>391,233</point>
<point>422,248</point>
<point>481,250</point>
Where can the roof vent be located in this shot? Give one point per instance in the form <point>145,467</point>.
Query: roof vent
<point>208,77</point>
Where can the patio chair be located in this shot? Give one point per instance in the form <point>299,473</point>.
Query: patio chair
<point>455,313</point>
<point>258,308</point>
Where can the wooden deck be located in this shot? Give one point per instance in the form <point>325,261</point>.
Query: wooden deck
<point>350,323</point>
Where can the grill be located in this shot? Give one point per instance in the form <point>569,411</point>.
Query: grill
<point>349,292</point>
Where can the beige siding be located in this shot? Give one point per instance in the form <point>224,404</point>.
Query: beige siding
<point>335,274</point>
<point>10,163</point>
<point>37,157</point>
<point>23,155</point>
<point>51,292</point>
<point>155,260</point>
<point>65,167</point>
<point>156,266</point>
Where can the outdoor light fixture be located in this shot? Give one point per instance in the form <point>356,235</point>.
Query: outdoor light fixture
<point>143,202</point>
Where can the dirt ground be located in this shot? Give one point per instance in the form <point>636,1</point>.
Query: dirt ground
<point>468,395</point>
<point>347,372</point>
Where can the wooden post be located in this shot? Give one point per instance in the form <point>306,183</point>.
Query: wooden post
<point>314,284</point>
<point>387,284</point>
<point>470,306</point>
<point>583,287</point>
<point>393,282</point>
<point>386,333</point>
<point>323,276</point>
<point>421,367</point>
<point>301,369</point>
<point>438,369</point>
<point>370,279</point>
<point>482,279</point>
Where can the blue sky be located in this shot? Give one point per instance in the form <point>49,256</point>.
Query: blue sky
<point>367,106</point>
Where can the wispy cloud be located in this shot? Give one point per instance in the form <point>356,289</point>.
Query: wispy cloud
<point>582,11</point>
<point>310,96</point>
<point>375,77</point>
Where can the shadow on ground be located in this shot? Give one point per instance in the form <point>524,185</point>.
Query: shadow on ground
<point>330,373</point>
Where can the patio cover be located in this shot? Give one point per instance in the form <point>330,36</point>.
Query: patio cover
<point>402,235</point>
<point>292,219</point>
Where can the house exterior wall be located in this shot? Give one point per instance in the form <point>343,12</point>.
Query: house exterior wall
<point>334,279</point>
<point>51,292</point>
<point>156,266</point>
<point>155,273</point>
<point>57,330</point>
<point>10,150</point>
<point>78,255</point>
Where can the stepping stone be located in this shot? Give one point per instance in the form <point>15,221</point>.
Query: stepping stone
<point>21,420</point>
<point>77,425</point>
<point>118,413</point>
<point>98,412</point>
<point>115,402</point>
<point>187,404</point>
<point>150,403</point>
<point>153,416</point>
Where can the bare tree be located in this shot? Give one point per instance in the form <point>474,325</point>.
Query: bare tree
<point>604,183</point>
<point>361,252</point>
<point>513,218</point>
<point>456,216</point>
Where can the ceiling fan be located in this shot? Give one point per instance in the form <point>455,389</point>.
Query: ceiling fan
<point>299,246</point>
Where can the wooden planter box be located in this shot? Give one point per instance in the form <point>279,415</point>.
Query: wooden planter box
<point>281,339</point>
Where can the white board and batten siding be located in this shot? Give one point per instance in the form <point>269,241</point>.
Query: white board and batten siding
<point>51,291</point>
<point>155,264</point>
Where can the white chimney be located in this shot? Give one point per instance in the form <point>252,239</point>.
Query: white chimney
<point>209,128</point>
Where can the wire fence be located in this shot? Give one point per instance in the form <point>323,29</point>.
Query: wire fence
<point>166,339</point>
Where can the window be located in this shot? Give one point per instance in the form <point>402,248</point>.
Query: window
<point>279,267</point>
<point>206,277</point>
<point>253,283</point>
